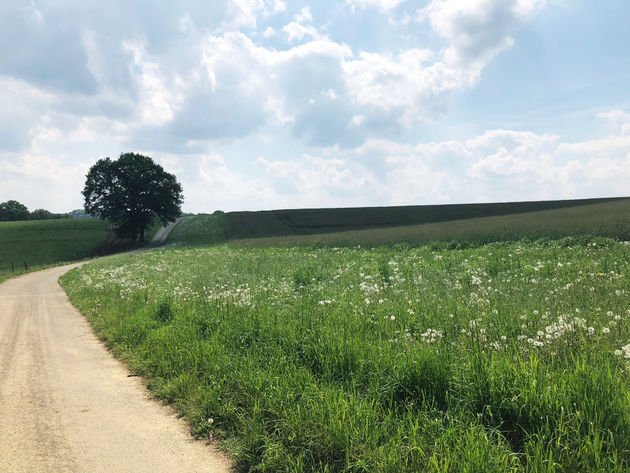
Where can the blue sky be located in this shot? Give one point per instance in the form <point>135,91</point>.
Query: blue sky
<point>261,104</point>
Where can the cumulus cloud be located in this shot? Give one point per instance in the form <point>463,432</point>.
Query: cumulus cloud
<point>26,104</point>
<point>185,75</point>
<point>497,165</point>
<point>190,85</point>
<point>530,165</point>
<point>617,119</point>
<point>405,85</point>
<point>247,12</point>
<point>477,30</point>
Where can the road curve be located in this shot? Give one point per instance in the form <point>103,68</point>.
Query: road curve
<point>66,405</point>
<point>160,236</point>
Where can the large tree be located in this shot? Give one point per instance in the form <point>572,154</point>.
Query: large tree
<point>131,192</point>
<point>13,210</point>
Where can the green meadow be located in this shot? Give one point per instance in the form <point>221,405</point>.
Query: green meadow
<point>28,245</point>
<point>35,244</point>
<point>508,356</point>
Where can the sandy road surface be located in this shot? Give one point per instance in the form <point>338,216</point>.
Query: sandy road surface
<point>66,405</point>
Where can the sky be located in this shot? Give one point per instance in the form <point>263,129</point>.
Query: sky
<point>266,104</point>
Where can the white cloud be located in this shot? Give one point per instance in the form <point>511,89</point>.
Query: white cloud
<point>617,119</point>
<point>304,16</point>
<point>313,181</point>
<point>405,84</point>
<point>158,100</point>
<point>246,12</point>
<point>383,5</point>
<point>203,89</point>
<point>27,106</point>
<point>204,80</point>
<point>477,30</point>
<point>24,178</point>
<point>216,186</point>
<point>518,140</point>
<point>497,165</point>
<point>357,120</point>
<point>532,165</point>
<point>269,32</point>
<point>611,145</point>
<point>297,31</point>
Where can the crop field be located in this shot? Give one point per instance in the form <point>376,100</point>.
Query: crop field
<point>32,244</point>
<point>503,357</point>
<point>315,221</point>
<point>607,219</point>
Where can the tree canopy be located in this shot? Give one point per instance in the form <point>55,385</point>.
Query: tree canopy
<point>131,192</point>
<point>13,210</point>
<point>41,214</point>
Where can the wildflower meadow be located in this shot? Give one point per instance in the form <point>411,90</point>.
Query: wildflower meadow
<point>504,357</point>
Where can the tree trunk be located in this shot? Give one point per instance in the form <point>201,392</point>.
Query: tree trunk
<point>142,234</point>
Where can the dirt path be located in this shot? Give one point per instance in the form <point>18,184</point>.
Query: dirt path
<point>66,405</point>
<point>160,236</point>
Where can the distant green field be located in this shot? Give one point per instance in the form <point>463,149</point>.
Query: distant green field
<point>315,221</point>
<point>609,219</point>
<point>45,242</point>
<point>599,218</point>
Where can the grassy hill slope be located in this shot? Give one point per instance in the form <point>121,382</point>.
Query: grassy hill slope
<point>29,245</point>
<point>199,230</point>
<point>45,242</point>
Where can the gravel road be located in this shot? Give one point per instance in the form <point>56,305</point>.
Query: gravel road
<point>66,405</point>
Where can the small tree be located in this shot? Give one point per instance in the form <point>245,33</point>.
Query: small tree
<point>130,192</point>
<point>13,210</point>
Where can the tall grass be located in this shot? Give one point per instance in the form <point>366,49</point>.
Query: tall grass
<point>506,357</point>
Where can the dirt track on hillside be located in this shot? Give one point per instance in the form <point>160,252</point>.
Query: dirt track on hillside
<point>66,405</point>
